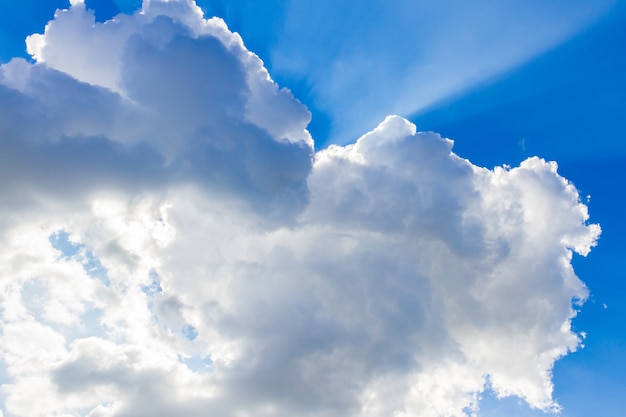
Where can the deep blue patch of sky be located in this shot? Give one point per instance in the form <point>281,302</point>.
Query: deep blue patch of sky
<point>106,9</point>
<point>18,19</point>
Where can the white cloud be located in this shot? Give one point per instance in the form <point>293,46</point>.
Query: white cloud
<point>173,246</point>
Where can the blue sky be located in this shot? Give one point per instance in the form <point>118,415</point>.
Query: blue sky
<point>505,83</point>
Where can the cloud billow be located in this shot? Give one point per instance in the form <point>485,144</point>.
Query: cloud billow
<point>174,246</point>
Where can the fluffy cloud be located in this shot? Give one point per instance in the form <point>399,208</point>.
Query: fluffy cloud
<point>172,245</point>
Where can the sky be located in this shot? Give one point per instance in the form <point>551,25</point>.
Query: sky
<point>284,208</point>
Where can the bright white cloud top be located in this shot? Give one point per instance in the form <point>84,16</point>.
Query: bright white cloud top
<point>172,244</point>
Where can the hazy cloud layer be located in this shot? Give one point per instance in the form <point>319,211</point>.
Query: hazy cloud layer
<point>172,245</point>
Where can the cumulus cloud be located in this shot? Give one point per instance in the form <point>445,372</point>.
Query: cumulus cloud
<point>172,245</point>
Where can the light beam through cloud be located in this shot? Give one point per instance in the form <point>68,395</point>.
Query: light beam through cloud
<point>405,56</point>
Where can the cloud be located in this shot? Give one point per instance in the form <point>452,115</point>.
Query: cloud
<point>172,245</point>
<point>132,123</point>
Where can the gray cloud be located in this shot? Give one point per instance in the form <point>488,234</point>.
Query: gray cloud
<point>73,136</point>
